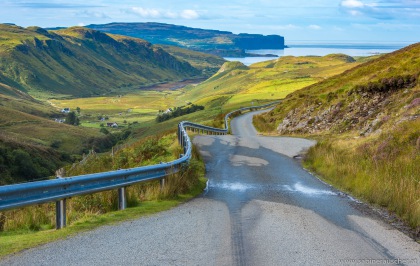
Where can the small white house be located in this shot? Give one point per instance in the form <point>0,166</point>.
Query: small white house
<point>114,125</point>
<point>169,110</point>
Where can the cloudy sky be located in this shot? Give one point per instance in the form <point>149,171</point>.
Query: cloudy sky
<point>298,20</point>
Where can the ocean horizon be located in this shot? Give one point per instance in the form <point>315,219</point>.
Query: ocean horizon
<point>301,48</point>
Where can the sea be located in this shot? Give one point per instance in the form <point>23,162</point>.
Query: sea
<point>321,49</point>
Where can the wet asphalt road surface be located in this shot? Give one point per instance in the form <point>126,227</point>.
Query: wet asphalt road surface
<point>260,208</point>
<point>282,215</point>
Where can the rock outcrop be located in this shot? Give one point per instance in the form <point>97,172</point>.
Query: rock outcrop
<point>365,109</point>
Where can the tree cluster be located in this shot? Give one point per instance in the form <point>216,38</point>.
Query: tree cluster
<point>72,119</point>
<point>104,143</point>
<point>20,165</point>
<point>178,111</point>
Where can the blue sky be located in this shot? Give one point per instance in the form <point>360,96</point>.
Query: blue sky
<point>297,20</point>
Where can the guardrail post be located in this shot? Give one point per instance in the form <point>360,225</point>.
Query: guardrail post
<point>180,133</point>
<point>185,143</point>
<point>122,199</point>
<point>2,221</point>
<point>181,140</point>
<point>162,183</point>
<point>60,214</point>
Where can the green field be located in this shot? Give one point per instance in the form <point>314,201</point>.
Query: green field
<point>136,107</point>
<point>234,86</point>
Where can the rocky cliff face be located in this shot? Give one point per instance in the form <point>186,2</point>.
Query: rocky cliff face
<point>364,111</point>
<point>257,41</point>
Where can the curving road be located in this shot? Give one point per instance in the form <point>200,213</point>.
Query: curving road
<point>260,208</point>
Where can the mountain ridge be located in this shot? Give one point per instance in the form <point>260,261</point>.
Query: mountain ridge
<point>224,43</point>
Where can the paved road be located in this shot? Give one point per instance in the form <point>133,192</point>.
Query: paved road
<point>261,208</point>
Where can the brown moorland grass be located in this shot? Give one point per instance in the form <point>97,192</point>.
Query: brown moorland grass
<point>383,171</point>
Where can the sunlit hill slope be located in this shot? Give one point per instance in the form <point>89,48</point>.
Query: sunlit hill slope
<point>82,62</point>
<point>237,85</point>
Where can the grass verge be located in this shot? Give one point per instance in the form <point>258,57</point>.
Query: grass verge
<point>15,241</point>
<point>383,170</point>
<point>33,225</point>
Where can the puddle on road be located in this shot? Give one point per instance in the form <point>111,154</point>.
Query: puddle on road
<point>298,187</point>
<point>232,186</point>
<point>239,160</point>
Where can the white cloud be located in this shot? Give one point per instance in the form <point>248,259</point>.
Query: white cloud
<point>352,4</point>
<point>146,12</point>
<point>189,14</point>
<point>168,14</point>
<point>314,27</point>
<point>382,9</point>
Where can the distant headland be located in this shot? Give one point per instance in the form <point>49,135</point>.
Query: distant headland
<point>222,43</point>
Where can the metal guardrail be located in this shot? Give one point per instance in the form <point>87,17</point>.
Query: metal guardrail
<point>58,190</point>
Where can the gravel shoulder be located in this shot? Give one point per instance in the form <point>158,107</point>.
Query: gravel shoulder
<point>186,235</point>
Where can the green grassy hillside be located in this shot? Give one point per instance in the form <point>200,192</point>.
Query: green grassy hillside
<point>32,144</point>
<point>237,85</point>
<point>207,63</point>
<point>29,134</point>
<point>368,122</point>
<point>378,90</point>
<point>12,92</point>
<point>82,62</point>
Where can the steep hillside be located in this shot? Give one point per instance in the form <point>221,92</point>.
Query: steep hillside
<point>11,91</point>
<point>210,41</point>
<point>372,96</point>
<point>207,63</point>
<point>32,144</point>
<point>82,62</point>
<point>367,121</point>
